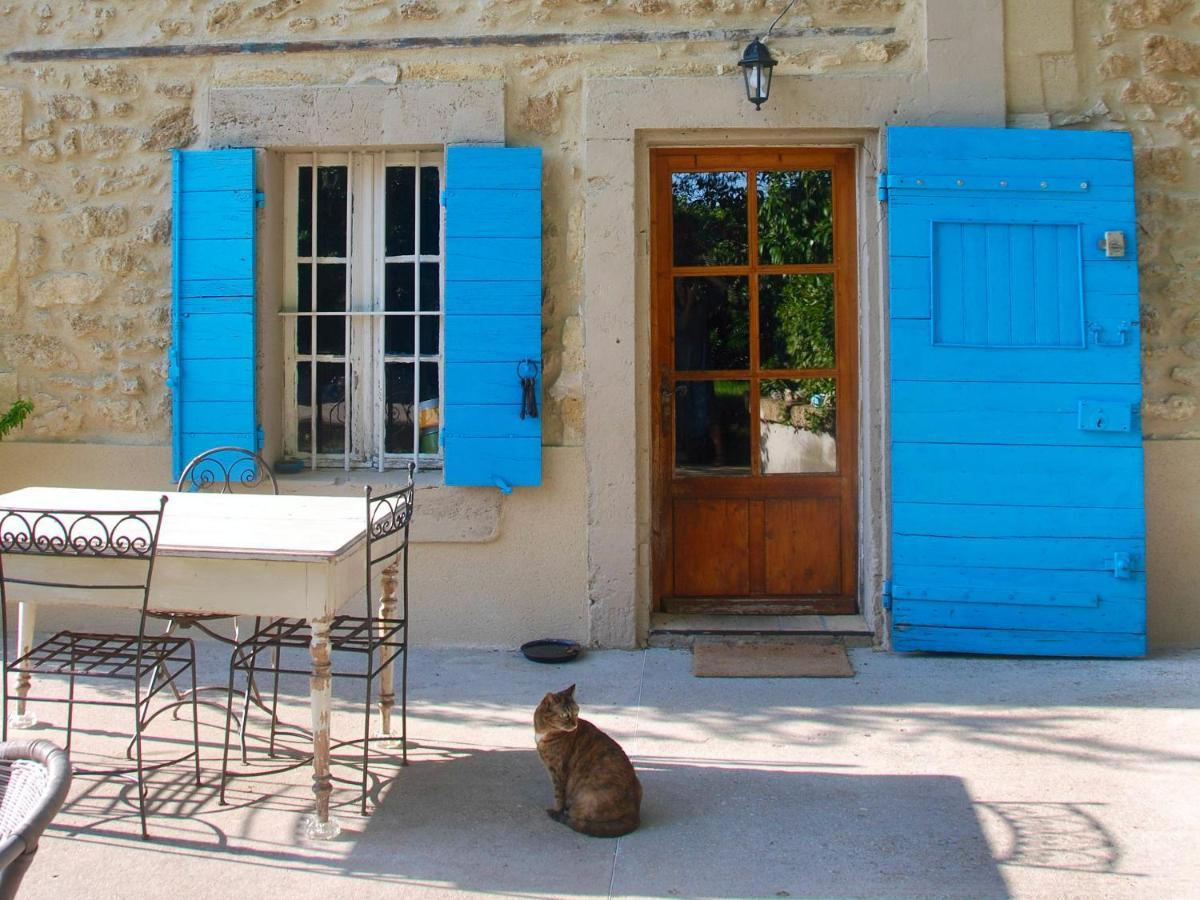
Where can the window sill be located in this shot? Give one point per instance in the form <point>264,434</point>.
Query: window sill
<point>441,513</point>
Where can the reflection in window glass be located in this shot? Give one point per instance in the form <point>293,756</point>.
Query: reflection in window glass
<point>331,297</point>
<point>401,199</point>
<point>332,199</point>
<point>712,427</point>
<point>796,321</point>
<point>709,218</point>
<point>795,217</point>
<point>712,323</point>
<point>332,408</point>
<point>798,425</point>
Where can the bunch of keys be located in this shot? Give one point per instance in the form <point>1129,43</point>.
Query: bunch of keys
<point>527,372</point>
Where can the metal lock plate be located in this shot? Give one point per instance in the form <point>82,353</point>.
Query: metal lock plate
<point>1097,415</point>
<point>1113,244</point>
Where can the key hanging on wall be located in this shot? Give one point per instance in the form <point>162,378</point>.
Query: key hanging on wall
<point>527,372</point>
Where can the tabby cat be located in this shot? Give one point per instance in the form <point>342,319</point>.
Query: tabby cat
<point>596,791</point>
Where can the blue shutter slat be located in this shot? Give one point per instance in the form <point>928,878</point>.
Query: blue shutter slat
<point>494,298</point>
<point>492,314</point>
<point>213,316</point>
<point>1011,521</point>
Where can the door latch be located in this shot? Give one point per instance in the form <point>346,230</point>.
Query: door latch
<point>1113,244</point>
<point>1122,565</point>
<point>1096,330</point>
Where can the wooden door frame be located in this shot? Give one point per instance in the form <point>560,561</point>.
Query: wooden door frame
<point>844,165</point>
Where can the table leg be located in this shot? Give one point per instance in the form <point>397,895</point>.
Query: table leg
<point>26,622</point>
<point>321,825</point>
<point>387,674</point>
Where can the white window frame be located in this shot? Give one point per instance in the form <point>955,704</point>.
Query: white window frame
<point>365,360</point>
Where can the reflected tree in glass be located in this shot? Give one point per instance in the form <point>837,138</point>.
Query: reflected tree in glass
<point>710,218</point>
<point>795,217</point>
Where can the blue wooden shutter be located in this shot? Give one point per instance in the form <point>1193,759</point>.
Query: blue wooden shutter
<point>212,356</point>
<point>1016,453</point>
<point>493,299</point>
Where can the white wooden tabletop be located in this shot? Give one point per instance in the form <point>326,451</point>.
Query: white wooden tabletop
<point>246,526</point>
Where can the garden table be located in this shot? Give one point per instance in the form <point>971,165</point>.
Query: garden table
<point>253,555</point>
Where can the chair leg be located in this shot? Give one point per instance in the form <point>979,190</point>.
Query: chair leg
<point>228,728</point>
<point>195,716</point>
<point>70,710</point>
<point>141,775</point>
<point>404,699</point>
<point>246,704</point>
<point>274,699</point>
<point>366,757</point>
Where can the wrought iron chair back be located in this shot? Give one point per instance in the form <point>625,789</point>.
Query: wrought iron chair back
<point>35,777</point>
<point>228,470</point>
<point>389,515</point>
<point>81,534</point>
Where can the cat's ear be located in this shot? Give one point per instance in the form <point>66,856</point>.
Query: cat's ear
<point>568,693</point>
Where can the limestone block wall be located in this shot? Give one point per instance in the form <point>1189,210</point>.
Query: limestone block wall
<point>1135,65</point>
<point>85,176</point>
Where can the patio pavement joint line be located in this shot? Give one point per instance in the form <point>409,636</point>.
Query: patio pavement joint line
<point>637,724</point>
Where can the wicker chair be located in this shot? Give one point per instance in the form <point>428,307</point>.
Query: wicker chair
<point>379,639</point>
<point>34,779</point>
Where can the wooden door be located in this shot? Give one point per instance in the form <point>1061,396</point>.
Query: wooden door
<point>755,389</point>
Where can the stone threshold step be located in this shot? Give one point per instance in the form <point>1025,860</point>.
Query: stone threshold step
<point>681,629</point>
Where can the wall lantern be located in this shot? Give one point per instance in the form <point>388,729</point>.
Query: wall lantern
<point>757,63</point>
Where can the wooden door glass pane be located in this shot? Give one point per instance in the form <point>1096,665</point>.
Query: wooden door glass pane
<point>400,198</point>
<point>712,323</point>
<point>796,321</point>
<point>712,427</point>
<point>797,425</point>
<point>709,218</point>
<point>795,217</point>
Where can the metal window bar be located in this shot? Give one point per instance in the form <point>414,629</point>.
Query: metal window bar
<point>314,420</point>
<point>347,305</point>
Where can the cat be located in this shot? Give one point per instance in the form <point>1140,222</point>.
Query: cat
<point>596,791</point>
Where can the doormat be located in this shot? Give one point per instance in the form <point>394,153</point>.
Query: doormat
<point>808,657</point>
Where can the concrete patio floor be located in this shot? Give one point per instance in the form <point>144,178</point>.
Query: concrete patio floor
<point>922,776</point>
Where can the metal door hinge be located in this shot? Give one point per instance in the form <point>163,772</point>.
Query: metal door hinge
<point>881,189</point>
<point>886,595</point>
<point>1122,565</point>
<point>260,199</point>
<point>259,438</point>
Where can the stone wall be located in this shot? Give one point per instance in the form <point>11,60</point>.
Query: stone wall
<point>1135,65</point>
<point>85,176</point>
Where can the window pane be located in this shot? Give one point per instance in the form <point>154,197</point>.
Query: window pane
<point>331,296</point>
<point>332,407</point>
<point>795,217</point>
<point>712,428</point>
<point>431,287</point>
<point>431,213</point>
<point>304,304</point>
<point>796,316</point>
<point>303,407</point>
<point>712,323</point>
<point>798,425</point>
<point>398,287</point>
<point>709,220</point>
<point>400,211</point>
<point>398,437</point>
<point>429,411</point>
<point>332,201</point>
<point>304,213</point>
<point>431,339</point>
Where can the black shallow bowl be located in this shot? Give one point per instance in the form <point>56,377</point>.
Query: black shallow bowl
<point>551,651</point>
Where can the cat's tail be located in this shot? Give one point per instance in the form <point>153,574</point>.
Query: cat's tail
<point>605,828</point>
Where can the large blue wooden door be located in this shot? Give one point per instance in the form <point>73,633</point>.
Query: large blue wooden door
<point>1016,456</point>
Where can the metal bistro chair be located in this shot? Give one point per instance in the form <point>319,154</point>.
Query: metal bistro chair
<point>96,551</point>
<point>378,638</point>
<point>221,470</point>
<point>35,777</point>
